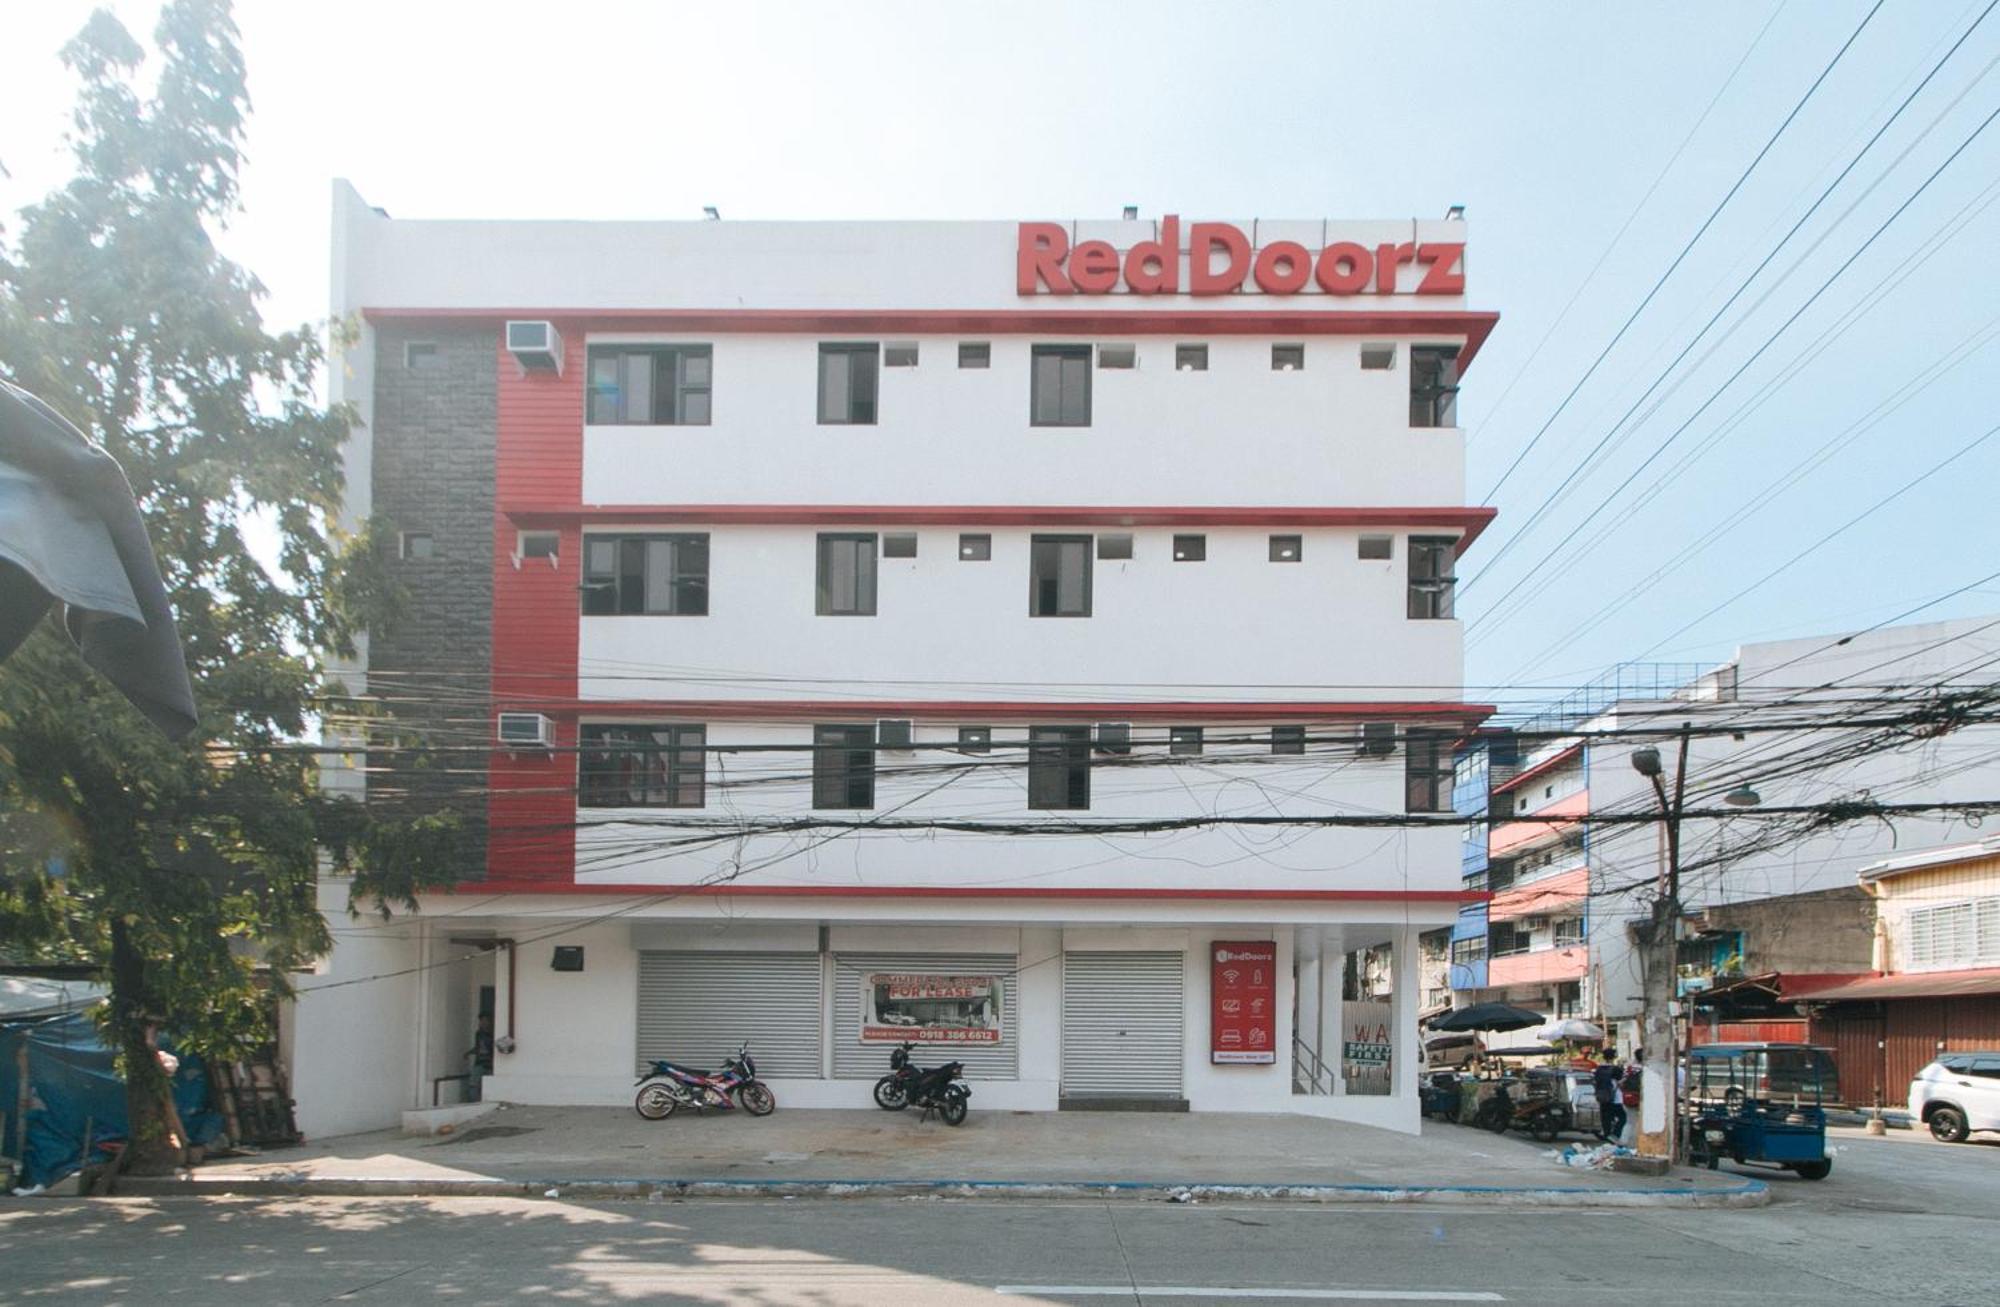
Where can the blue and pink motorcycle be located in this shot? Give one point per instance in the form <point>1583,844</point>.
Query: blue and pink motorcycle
<point>669,1086</point>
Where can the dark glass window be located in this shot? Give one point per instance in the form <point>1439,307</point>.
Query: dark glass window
<point>663,575</point>
<point>1060,386</point>
<point>1191,358</point>
<point>1377,546</point>
<point>650,385</point>
<point>975,354</point>
<point>1287,549</point>
<point>1433,385</point>
<point>1114,546</point>
<point>1190,549</point>
<point>1114,737</point>
<point>641,766</point>
<point>843,766</point>
<point>975,739</point>
<point>1288,739</point>
<point>1059,576</point>
<point>847,375</point>
<point>899,544</point>
<point>1378,739</point>
<point>1426,771</point>
<point>1431,579</point>
<point>1059,767</point>
<point>975,548</point>
<point>846,576</point>
<point>1185,740</point>
<point>1288,358</point>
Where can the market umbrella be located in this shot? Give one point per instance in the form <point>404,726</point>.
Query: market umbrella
<point>1570,1028</point>
<point>1488,1016</point>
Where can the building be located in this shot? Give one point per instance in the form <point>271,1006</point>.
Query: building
<point>836,633</point>
<point>1789,721</point>
<point>1935,987</point>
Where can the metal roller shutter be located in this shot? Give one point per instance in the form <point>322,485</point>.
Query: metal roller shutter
<point>696,1008</point>
<point>854,1060</point>
<point>1122,1022</point>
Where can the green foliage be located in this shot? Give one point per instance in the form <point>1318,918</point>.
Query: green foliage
<point>179,868</point>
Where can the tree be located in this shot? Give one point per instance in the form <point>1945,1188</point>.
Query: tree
<point>186,872</point>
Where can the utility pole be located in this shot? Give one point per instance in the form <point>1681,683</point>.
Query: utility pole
<point>1659,1088</point>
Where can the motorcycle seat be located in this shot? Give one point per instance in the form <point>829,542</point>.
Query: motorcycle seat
<point>688,1070</point>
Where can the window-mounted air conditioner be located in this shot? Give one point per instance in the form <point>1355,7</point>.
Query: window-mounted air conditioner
<point>525,730</point>
<point>536,346</point>
<point>1534,923</point>
<point>893,733</point>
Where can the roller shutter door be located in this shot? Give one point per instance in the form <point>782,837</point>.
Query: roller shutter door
<point>854,1060</point>
<point>1122,1026</point>
<point>695,1008</point>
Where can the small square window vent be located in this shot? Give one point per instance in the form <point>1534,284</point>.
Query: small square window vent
<point>421,355</point>
<point>1378,358</point>
<point>1190,549</point>
<point>1114,546</point>
<point>1190,358</point>
<point>1117,356</point>
<point>893,733</point>
<point>537,544</point>
<point>975,548</point>
<point>975,739</point>
<point>899,544</point>
<point>899,354</point>
<point>417,544</point>
<point>1287,549</point>
<point>975,354</point>
<point>1377,546</point>
<point>1288,358</point>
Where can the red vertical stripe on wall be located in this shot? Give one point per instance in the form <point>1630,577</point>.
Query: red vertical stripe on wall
<point>531,807</point>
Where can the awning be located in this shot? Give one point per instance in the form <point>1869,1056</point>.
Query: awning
<point>1921,984</point>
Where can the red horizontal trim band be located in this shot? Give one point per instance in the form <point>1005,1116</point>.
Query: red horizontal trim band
<point>983,892</point>
<point>954,710</point>
<point>1470,520</point>
<point>1474,325</point>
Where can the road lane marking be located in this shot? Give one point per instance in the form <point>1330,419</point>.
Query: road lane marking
<point>1189,1291</point>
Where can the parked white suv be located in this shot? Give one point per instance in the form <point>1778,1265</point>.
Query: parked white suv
<point>1957,1094</point>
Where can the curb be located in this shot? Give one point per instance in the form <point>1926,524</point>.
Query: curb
<point>1747,1193</point>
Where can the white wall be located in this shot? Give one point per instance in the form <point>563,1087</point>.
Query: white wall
<point>353,1043</point>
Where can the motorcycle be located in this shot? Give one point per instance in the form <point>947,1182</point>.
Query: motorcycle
<point>1540,1116</point>
<point>940,1089</point>
<point>668,1086</point>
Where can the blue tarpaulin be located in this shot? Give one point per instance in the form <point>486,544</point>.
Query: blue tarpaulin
<point>73,1087</point>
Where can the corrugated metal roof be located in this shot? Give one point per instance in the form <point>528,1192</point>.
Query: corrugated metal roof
<point>1909,984</point>
<point>1925,858</point>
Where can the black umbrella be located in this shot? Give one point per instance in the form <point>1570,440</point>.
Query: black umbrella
<point>1488,1016</point>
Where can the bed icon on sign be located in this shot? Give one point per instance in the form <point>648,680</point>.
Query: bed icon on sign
<point>1231,1037</point>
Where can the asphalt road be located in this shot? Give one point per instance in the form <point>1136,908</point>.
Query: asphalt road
<point>1902,1220</point>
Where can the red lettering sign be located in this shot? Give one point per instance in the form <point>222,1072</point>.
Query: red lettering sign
<point>1243,1002</point>
<point>1221,261</point>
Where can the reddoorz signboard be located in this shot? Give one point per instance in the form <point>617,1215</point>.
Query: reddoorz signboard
<point>1243,1001</point>
<point>1221,261</point>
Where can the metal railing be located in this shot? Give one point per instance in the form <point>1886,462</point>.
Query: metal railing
<point>1309,1074</point>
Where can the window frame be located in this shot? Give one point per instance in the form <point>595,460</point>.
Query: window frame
<point>615,582</point>
<point>1185,741</point>
<point>1281,544</point>
<point>843,772</point>
<point>1191,548</point>
<point>1064,354</point>
<point>1281,351</point>
<point>1433,581</point>
<point>1036,545</point>
<point>1059,768</point>
<point>1433,387</point>
<point>1288,741</point>
<point>975,547</point>
<point>867,574</point>
<point>1427,770</point>
<point>676,388</point>
<point>1191,356</point>
<point>676,770</point>
<point>847,351</point>
<point>975,354</point>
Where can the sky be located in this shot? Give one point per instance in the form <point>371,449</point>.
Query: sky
<point>1589,143</point>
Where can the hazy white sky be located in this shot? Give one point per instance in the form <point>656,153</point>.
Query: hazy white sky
<point>1550,122</point>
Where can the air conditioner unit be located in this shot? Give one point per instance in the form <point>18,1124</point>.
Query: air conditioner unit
<point>892,733</point>
<point>525,730</point>
<point>1534,923</point>
<point>536,346</point>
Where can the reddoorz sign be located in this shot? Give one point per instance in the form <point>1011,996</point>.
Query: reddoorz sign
<point>1220,261</point>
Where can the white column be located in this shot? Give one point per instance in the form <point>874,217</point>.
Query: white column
<point>1332,1020</point>
<point>1403,1055</point>
<point>1307,1025</point>
<point>420,1054</point>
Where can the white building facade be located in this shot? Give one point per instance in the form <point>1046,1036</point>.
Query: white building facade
<point>1033,640</point>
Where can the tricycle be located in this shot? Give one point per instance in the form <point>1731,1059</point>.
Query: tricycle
<point>1760,1104</point>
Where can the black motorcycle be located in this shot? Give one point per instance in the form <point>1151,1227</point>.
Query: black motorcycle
<point>892,1092</point>
<point>941,1089</point>
<point>1537,1114</point>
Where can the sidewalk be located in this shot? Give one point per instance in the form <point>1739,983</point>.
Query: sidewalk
<point>610,1152</point>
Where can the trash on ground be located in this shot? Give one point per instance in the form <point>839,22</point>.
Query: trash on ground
<point>1589,1159</point>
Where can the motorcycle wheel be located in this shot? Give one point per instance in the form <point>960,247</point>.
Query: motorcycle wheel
<point>952,1111</point>
<point>756,1099</point>
<point>1544,1128</point>
<point>655,1102</point>
<point>891,1094</point>
<point>1496,1121</point>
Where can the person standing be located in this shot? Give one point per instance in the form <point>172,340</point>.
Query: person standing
<point>1605,1085</point>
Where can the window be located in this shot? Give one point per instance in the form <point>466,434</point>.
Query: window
<point>661,575</point>
<point>899,354</point>
<point>1190,549</point>
<point>1569,931</point>
<point>537,544</point>
<point>1433,385</point>
<point>1377,547</point>
<point>1288,358</point>
<point>641,766</point>
<point>1190,358</point>
<point>1503,938</point>
<point>975,548</point>
<point>1378,358</point>
<point>1378,739</point>
<point>899,544</point>
<point>1426,771</point>
<point>1114,547</point>
<point>414,545</point>
<point>975,739</point>
<point>650,385</point>
<point>421,356</point>
<point>1184,740</point>
<point>847,384</point>
<point>1466,951</point>
<point>1955,934</point>
<point>1287,549</point>
<point>1118,356</point>
<point>1059,767</point>
<point>975,354</point>
<point>843,766</point>
<point>846,585</point>
<point>1431,581</point>
<point>1288,739</point>
<point>1059,387</point>
<point>1059,576</point>
<point>1114,737</point>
